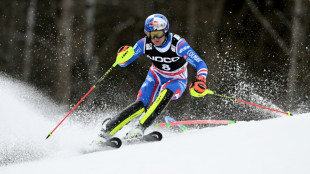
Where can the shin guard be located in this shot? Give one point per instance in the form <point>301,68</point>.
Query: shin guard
<point>156,108</point>
<point>123,118</point>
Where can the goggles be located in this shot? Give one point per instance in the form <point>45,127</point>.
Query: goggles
<point>152,34</point>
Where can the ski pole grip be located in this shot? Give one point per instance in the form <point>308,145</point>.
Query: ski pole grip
<point>124,55</point>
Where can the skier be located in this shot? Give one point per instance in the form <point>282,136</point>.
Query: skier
<point>166,79</point>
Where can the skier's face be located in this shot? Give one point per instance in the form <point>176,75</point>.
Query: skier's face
<point>158,41</point>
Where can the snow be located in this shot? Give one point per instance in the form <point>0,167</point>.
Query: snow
<point>280,145</point>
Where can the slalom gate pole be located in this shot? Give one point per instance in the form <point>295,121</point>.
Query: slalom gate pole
<point>123,55</point>
<point>195,122</point>
<point>91,89</point>
<point>288,113</point>
<point>169,120</point>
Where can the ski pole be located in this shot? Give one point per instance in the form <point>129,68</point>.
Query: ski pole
<point>123,56</point>
<point>91,89</point>
<point>288,113</point>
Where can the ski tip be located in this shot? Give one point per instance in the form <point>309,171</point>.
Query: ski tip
<point>153,136</point>
<point>114,142</point>
<point>158,135</point>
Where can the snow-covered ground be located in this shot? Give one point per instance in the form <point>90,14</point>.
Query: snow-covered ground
<point>280,145</point>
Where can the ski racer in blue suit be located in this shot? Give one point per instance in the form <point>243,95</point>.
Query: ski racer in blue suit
<point>166,79</point>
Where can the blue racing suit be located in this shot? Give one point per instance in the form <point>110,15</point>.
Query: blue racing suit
<point>169,67</point>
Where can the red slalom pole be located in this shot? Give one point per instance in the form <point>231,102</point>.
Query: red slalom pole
<point>288,113</point>
<point>187,122</point>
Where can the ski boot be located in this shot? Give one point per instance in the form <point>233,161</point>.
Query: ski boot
<point>136,133</point>
<point>105,139</point>
<point>104,135</point>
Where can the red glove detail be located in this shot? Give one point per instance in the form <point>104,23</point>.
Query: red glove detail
<point>199,84</point>
<point>122,49</point>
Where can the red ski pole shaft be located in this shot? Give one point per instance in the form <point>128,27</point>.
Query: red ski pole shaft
<point>288,113</point>
<point>91,89</point>
<point>253,104</point>
<point>71,111</point>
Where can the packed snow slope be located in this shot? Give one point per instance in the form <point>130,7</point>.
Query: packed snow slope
<point>280,145</point>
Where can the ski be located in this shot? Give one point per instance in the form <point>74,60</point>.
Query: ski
<point>116,143</point>
<point>153,136</point>
<point>150,137</point>
<point>113,142</point>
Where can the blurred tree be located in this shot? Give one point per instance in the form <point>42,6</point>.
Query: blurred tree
<point>295,51</point>
<point>29,37</point>
<point>12,37</point>
<point>64,51</point>
<point>91,60</point>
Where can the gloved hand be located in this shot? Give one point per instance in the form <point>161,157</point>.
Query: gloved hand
<point>124,53</point>
<point>122,49</point>
<point>198,87</point>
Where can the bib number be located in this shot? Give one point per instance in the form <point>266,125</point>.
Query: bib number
<point>166,67</point>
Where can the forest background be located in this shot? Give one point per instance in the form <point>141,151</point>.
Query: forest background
<point>256,51</point>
